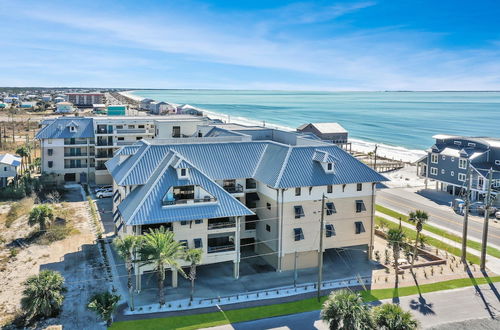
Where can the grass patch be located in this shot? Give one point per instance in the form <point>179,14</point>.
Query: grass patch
<point>412,234</point>
<point>18,209</point>
<point>248,314</point>
<point>472,244</point>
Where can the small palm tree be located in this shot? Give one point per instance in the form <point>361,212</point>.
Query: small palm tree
<point>43,294</point>
<point>345,310</point>
<point>41,215</point>
<point>393,317</point>
<point>126,248</point>
<point>161,250</point>
<point>24,152</point>
<point>193,256</point>
<point>395,240</point>
<point>104,304</point>
<point>419,218</point>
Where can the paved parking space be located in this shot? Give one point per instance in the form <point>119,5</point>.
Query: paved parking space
<point>105,207</point>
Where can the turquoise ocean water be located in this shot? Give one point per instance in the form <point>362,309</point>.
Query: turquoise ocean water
<point>403,119</point>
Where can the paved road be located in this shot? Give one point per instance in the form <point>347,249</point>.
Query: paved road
<point>435,308</point>
<point>440,214</point>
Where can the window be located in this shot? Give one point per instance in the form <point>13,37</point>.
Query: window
<point>121,139</point>
<point>138,138</point>
<point>360,206</point>
<point>443,171</point>
<point>183,223</point>
<point>461,177</point>
<point>119,126</point>
<point>330,208</point>
<point>299,235</point>
<point>183,172</point>
<point>452,173</point>
<point>343,187</point>
<point>359,187</point>
<point>299,211</point>
<point>140,126</point>
<point>496,183</point>
<point>329,189</point>
<point>462,163</point>
<point>49,141</point>
<point>176,131</point>
<point>470,144</point>
<point>72,129</point>
<point>268,228</point>
<point>5,168</point>
<point>330,230</point>
<point>198,243</point>
<point>268,205</point>
<point>434,171</point>
<point>452,159</point>
<point>458,143</point>
<point>198,221</point>
<point>297,191</point>
<point>360,228</point>
<point>443,157</point>
<point>184,242</point>
<point>497,162</point>
<point>50,163</point>
<point>434,158</point>
<point>329,166</point>
<point>50,152</point>
<point>131,126</point>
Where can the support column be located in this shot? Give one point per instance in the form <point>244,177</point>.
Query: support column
<point>453,191</point>
<point>437,185</point>
<point>238,248</point>
<point>174,278</point>
<point>138,282</point>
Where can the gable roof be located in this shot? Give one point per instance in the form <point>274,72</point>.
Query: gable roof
<point>9,159</point>
<point>59,128</point>
<point>325,128</point>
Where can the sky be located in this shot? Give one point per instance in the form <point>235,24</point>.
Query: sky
<point>272,45</point>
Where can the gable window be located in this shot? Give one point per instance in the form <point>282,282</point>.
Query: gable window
<point>462,163</point>
<point>50,152</point>
<point>360,206</point>
<point>470,144</point>
<point>434,171</point>
<point>72,129</point>
<point>330,208</point>
<point>268,228</point>
<point>297,191</point>
<point>50,163</point>
<point>434,158</point>
<point>330,230</point>
<point>359,187</point>
<point>329,166</point>
<point>299,211</point>
<point>461,176</point>
<point>360,228</point>
<point>298,234</point>
<point>329,189</point>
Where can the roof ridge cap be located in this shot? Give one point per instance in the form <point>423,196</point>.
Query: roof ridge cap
<point>260,160</point>
<point>278,179</point>
<point>131,167</point>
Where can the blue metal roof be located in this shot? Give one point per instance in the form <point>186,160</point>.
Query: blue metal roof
<point>60,128</point>
<point>144,204</point>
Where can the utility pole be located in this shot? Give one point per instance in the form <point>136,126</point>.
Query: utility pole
<point>487,204</point>
<point>320,254</point>
<point>375,158</point>
<point>466,215</point>
<point>295,270</point>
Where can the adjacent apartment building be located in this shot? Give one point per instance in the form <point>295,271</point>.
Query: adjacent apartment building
<point>232,190</point>
<point>85,99</point>
<point>448,160</point>
<point>74,149</point>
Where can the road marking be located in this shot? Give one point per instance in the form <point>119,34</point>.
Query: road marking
<point>440,217</point>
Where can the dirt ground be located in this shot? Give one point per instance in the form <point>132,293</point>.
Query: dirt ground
<point>76,257</point>
<point>453,269</point>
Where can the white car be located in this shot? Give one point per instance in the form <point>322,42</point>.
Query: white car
<point>497,214</point>
<point>104,193</point>
<point>102,188</point>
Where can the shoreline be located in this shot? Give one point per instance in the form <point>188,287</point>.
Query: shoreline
<point>383,150</point>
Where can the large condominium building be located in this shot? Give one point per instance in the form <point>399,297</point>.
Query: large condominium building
<point>449,158</point>
<point>76,148</point>
<point>236,188</point>
<point>85,99</point>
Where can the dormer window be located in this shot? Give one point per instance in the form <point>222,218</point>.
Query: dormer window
<point>72,129</point>
<point>182,173</point>
<point>329,166</point>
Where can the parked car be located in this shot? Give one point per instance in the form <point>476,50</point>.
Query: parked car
<point>497,214</point>
<point>492,210</point>
<point>102,188</point>
<point>104,193</point>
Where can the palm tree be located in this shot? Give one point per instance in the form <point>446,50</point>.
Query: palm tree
<point>126,248</point>
<point>193,256</point>
<point>43,294</point>
<point>345,310</point>
<point>23,152</point>
<point>395,239</point>
<point>104,304</point>
<point>161,250</point>
<point>43,215</point>
<point>393,317</point>
<point>419,218</point>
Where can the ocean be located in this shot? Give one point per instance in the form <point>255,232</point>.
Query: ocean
<point>402,123</point>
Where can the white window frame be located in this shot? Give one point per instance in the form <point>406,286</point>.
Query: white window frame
<point>471,144</point>
<point>443,171</point>
<point>452,173</point>
<point>497,161</point>
<point>460,162</point>
<point>434,158</point>
<point>462,177</point>
<point>434,171</point>
<point>443,157</point>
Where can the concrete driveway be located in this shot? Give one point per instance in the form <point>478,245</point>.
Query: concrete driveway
<point>105,207</point>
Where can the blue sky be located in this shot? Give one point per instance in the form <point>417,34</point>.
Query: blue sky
<point>314,45</point>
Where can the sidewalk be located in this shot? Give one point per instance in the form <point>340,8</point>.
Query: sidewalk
<point>492,263</point>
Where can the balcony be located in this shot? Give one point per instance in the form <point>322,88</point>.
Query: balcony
<point>131,131</point>
<point>104,131</point>
<point>78,154</point>
<point>250,184</point>
<point>100,167</point>
<point>104,155</point>
<point>101,143</point>
<point>71,142</point>
<point>220,248</point>
<point>220,243</point>
<point>220,223</point>
<point>75,165</point>
<point>188,201</point>
<point>234,189</point>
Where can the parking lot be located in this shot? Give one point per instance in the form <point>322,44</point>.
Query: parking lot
<point>105,207</point>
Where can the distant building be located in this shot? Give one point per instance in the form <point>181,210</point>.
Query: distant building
<point>187,109</point>
<point>46,97</point>
<point>9,165</point>
<point>159,108</point>
<point>449,158</point>
<point>99,109</point>
<point>145,104</point>
<point>332,132</point>
<point>27,105</point>
<point>117,110</point>
<point>3,105</point>
<point>85,99</point>
<point>64,107</point>
<point>11,99</point>
<point>59,99</point>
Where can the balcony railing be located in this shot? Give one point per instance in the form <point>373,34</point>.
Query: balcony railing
<point>100,167</point>
<point>81,154</point>
<point>104,156</point>
<point>188,201</point>
<point>131,131</point>
<point>73,142</point>
<point>220,248</point>
<point>221,224</point>
<point>104,131</point>
<point>104,143</point>
<point>234,189</point>
<point>75,166</point>
<point>125,143</point>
